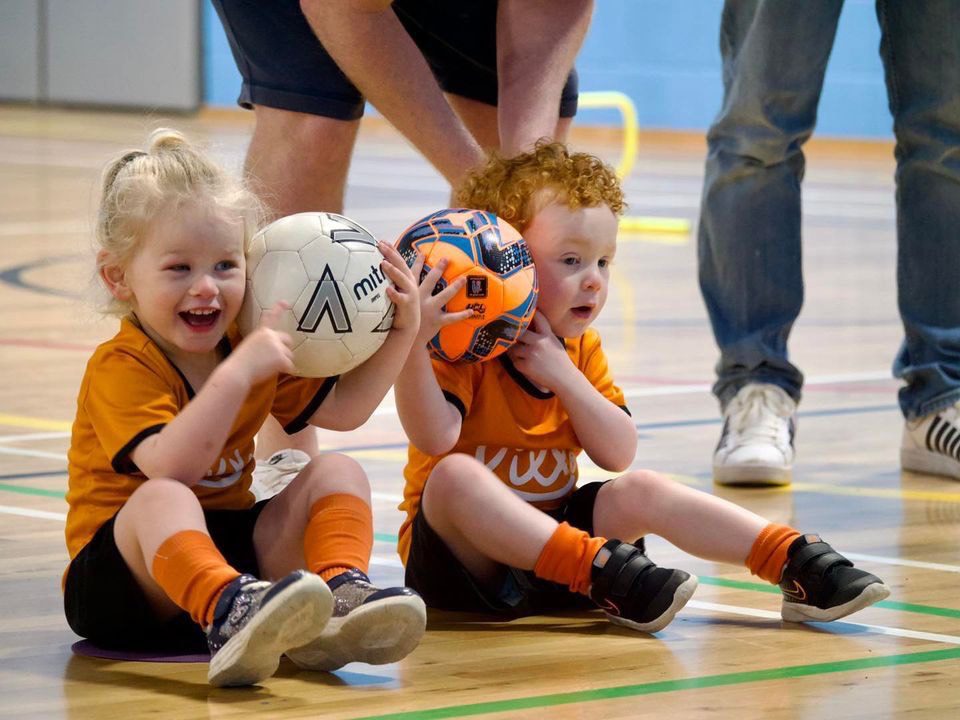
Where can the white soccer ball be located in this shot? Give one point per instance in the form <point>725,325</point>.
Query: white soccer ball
<point>327,268</point>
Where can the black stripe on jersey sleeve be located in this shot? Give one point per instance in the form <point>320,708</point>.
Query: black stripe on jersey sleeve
<point>121,462</point>
<point>302,420</point>
<point>456,402</point>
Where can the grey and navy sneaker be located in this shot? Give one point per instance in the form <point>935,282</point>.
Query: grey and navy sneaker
<point>931,444</point>
<point>256,621</point>
<point>756,445</point>
<point>369,625</point>
<point>633,591</point>
<point>819,584</point>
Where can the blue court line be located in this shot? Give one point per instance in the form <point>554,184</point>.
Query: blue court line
<point>24,476</point>
<point>14,276</point>
<point>808,414</point>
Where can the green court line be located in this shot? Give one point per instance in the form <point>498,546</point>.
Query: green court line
<point>706,580</point>
<point>888,604</point>
<point>26,490</point>
<point>694,683</point>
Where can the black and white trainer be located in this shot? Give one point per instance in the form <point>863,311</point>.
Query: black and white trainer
<point>931,444</point>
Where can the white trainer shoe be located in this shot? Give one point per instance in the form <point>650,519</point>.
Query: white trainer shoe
<point>274,474</point>
<point>756,445</point>
<point>931,444</point>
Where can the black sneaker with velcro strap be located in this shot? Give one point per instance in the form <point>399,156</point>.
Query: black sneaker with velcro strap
<point>819,584</point>
<point>633,591</point>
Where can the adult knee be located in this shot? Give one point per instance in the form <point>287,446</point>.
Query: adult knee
<point>765,136</point>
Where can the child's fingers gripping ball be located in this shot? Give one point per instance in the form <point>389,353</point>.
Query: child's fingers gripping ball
<point>403,292</point>
<point>327,268</point>
<point>499,280</point>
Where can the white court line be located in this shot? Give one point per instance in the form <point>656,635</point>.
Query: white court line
<point>881,629</point>
<point>62,517</point>
<point>394,499</point>
<point>66,227</point>
<point>23,452</point>
<point>706,387</point>
<point>898,561</point>
<point>394,562</point>
<point>26,512</point>
<point>34,436</point>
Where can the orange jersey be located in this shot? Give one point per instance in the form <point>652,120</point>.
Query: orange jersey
<point>522,434</point>
<point>130,390</point>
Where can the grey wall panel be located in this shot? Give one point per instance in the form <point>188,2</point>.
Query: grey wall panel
<point>135,53</point>
<point>19,50</point>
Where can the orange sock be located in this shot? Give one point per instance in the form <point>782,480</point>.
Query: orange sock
<point>339,535</point>
<point>193,573</point>
<point>567,558</point>
<point>769,552</point>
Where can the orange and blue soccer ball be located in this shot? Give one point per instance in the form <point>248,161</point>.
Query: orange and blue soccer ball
<point>501,286</point>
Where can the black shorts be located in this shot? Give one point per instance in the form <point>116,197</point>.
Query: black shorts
<point>445,584</point>
<point>284,66</point>
<point>105,604</point>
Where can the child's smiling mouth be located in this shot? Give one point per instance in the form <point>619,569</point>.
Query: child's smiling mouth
<point>200,318</point>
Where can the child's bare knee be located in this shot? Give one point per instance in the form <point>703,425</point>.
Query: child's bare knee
<point>641,485</point>
<point>159,491</point>
<point>337,473</point>
<point>448,477</point>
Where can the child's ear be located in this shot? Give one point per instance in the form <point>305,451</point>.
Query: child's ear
<point>113,276</point>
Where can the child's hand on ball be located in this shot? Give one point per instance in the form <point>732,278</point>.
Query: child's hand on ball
<point>403,293</point>
<point>266,351</point>
<point>432,315</point>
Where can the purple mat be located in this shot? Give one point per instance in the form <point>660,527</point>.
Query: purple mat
<point>88,649</point>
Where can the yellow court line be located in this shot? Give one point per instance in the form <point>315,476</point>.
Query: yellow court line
<point>626,303</point>
<point>34,423</point>
<point>892,493</point>
<point>595,473</point>
<point>654,229</point>
<point>633,229</point>
<point>827,489</point>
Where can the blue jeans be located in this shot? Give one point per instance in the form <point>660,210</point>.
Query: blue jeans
<point>775,55</point>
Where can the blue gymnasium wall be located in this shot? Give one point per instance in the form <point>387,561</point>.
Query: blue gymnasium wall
<point>665,55</point>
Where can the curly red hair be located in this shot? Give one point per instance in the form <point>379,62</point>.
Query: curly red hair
<point>516,188</point>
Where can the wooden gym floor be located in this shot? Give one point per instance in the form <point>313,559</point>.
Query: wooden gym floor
<point>727,654</point>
